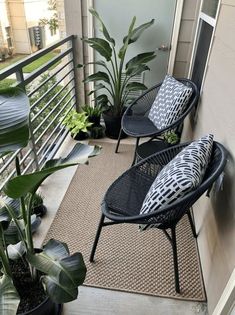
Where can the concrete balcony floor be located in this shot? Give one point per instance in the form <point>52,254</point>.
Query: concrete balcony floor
<point>95,301</point>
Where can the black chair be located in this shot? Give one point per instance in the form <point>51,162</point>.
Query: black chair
<point>123,200</point>
<point>135,121</point>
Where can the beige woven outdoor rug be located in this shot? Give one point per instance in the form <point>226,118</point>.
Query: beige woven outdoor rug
<point>126,259</point>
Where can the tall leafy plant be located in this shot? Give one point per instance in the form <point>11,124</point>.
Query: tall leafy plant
<point>62,272</point>
<point>116,76</point>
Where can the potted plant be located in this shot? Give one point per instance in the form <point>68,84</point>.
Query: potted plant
<point>171,137</point>
<point>94,115</point>
<point>77,123</point>
<point>115,79</point>
<point>38,206</point>
<point>33,281</point>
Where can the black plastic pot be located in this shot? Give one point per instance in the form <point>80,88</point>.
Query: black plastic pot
<point>95,120</point>
<point>47,307</point>
<point>81,136</point>
<point>113,125</point>
<point>40,210</point>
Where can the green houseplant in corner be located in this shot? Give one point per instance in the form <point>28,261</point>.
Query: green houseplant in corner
<point>33,281</point>
<point>116,77</point>
<point>77,124</point>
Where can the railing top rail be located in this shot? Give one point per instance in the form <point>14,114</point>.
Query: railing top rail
<point>22,63</point>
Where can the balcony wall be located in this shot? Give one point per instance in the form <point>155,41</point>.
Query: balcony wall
<point>215,217</point>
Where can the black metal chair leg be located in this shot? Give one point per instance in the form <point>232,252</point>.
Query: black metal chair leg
<point>174,247</point>
<point>136,146</point>
<point>97,238</point>
<point>192,224</point>
<point>119,139</point>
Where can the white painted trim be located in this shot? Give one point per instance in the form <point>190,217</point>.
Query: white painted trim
<point>175,35</point>
<point>227,299</point>
<point>207,19</point>
<point>90,31</point>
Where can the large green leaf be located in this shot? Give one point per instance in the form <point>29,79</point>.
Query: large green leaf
<point>102,26</point>
<point>14,119</point>
<point>137,32</point>
<point>138,69</point>
<point>99,63</point>
<point>9,298</point>
<point>63,272</point>
<point>135,86</point>
<point>123,49</point>
<point>101,46</point>
<point>16,251</point>
<point>97,87</point>
<point>102,100</point>
<point>21,185</point>
<point>98,76</point>
<point>140,59</point>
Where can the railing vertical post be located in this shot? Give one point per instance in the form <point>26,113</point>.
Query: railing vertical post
<point>76,79</point>
<point>20,79</point>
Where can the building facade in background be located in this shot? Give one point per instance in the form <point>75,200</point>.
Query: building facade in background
<point>27,25</point>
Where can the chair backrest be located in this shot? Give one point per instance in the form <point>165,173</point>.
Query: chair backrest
<point>142,104</point>
<point>172,213</point>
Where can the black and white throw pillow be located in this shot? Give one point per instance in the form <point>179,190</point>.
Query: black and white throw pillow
<point>180,176</point>
<point>169,103</point>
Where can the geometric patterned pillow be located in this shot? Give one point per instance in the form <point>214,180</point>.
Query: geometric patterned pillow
<point>169,103</point>
<point>181,175</point>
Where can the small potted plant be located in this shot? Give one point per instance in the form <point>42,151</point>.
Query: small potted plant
<point>77,123</point>
<point>33,281</point>
<point>94,114</point>
<point>38,206</point>
<point>171,137</point>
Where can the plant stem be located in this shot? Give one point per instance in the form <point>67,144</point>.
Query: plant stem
<point>28,230</point>
<point>22,201</point>
<point>3,255</point>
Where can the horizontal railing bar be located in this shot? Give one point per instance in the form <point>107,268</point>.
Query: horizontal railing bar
<point>10,160</point>
<point>22,63</point>
<point>49,78</point>
<point>51,112</point>
<point>27,167</point>
<point>53,142</point>
<point>58,144</point>
<point>25,156</point>
<point>50,89</point>
<point>6,180</point>
<point>56,116</point>
<point>46,66</point>
<point>51,100</point>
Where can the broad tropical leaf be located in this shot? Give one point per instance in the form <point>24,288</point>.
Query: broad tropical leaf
<point>63,272</point>
<point>135,86</point>
<point>14,119</point>
<point>137,32</point>
<point>9,298</point>
<point>138,60</point>
<point>138,69</point>
<point>16,251</point>
<point>97,87</point>
<point>123,49</point>
<point>102,100</point>
<point>102,26</point>
<point>101,46</point>
<point>19,186</point>
<point>99,63</point>
<point>98,76</point>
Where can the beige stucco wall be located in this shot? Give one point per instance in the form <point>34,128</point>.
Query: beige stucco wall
<point>215,217</point>
<point>186,37</point>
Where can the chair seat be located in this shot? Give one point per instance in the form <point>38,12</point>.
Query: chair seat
<point>138,125</point>
<point>126,195</point>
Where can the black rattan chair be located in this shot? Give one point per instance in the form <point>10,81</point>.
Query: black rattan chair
<point>135,121</point>
<point>123,200</point>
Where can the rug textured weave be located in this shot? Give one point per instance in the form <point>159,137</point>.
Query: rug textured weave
<point>126,259</point>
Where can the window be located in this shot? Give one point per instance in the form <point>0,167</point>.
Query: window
<point>209,7</point>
